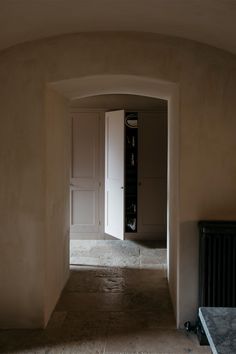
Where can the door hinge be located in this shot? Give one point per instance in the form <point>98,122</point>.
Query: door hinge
<point>99,223</point>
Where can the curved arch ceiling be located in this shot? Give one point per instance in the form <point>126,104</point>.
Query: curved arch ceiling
<point>208,21</point>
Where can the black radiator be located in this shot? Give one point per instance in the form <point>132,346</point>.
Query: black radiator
<point>217,263</point>
<point>217,269</point>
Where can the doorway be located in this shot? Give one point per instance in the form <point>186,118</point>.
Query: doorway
<point>119,281</point>
<point>138,85</point>
<point>90,178</point>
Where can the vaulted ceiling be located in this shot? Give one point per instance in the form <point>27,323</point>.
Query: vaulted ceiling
<point>209,21</point>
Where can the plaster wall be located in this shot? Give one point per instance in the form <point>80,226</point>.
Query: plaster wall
<point>113,102</point>
<point>22,174</point>
<point>57,130</point>
<point>207,189</point>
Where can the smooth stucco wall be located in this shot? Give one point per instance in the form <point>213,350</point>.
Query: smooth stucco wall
<point>207,188</point>
<point>57,198</point>
<point>22,186</point>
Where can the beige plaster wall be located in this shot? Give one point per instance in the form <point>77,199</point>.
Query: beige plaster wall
<point>109,102</point>
<point>207,81</point>
<point>57,129</point>
<point>21,194</point>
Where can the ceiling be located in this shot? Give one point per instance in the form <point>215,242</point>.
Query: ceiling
<point>208,21</point>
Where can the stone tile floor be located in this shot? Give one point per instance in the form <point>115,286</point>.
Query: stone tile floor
<point>109,309</point>
<point>116,253</point>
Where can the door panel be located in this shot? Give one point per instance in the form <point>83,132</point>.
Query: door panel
<point>84,206</point>
<point>85,174</point>
<point>114,174</point>
<point>85,144</point>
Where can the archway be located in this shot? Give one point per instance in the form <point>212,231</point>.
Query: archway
<point>144,86</point>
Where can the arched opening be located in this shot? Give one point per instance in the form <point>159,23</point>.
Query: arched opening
<point>143,86</point>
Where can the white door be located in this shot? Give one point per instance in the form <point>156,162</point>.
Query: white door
<point>152,178</point>
<point>114,174</point>
<point>85,174</point>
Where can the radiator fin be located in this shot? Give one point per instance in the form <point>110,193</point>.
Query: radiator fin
<point>217,264</point>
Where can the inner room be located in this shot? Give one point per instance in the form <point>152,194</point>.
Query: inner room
<point>118,183</point>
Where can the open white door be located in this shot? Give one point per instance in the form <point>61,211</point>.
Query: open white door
<point>114,174</point>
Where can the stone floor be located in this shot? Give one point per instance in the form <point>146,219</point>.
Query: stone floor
<point>110,309</point>
<point>116,253</point>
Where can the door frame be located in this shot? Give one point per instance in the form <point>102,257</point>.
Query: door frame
<point>144,86</point>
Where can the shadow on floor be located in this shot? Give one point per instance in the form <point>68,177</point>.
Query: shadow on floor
<point>151,244</point>
<point>107,310</point>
